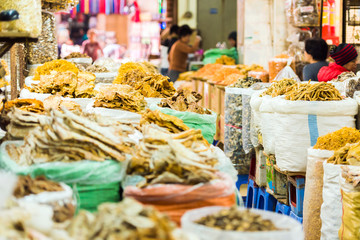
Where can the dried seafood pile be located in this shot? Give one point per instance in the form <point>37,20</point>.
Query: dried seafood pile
<point>351,176</point>
<point>134,72</point>
<point>351,82</point>
<point>22,122</point>
<point>347,155</point>
<point>171,123</point>
<point>186,76</point>
<point>207,71</point>
<point>231,79</point>
<point>225,60</point>
<point>164,158</point>
<point>5,66</point>
<point>76,55</point>
<point>97,69</point>
<point>184,100</point>
<point>279,88</point>
<point>126,220</point>
<point>313,92</point>
<point>155,86</point>
<point>233,219</point>
<point>55,102</point>
<point>245,82</point>
<point>120,96</point>
<point>59,65</point>
<point>245,69</point>
<point>27,105</point>
<point>338,139</point>
<point>68,137</point>
<point>67,84</point>
<point>27,185</point>
<point>221,75</point>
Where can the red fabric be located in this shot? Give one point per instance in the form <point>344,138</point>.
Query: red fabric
<point>329,73</point>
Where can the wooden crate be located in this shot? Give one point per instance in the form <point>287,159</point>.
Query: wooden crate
<point>195,83</point>
<point>222,128</point>
<point>202,92</point>
<point>221,96</point>
<point>206,100</point>
<point>212,99</point>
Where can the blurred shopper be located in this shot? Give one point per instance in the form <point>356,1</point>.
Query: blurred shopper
<point>92,47</point>
<point>316,52</point>
<point>345,61</point>
<point>232,40</point>
<point>168,37</point>
<point>179,52</point>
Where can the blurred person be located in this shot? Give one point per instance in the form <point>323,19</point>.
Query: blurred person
<point>179,52</point>
<point>91,47</point>
<point>168,37</point>
<point>316,52</point>
<point>345,56</point>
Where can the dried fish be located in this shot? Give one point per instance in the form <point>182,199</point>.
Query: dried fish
<point>184,100</point>
<point>171,123</point>
<point>126,220</point>
<point>28,105</point>
<point>120,96</point>
<point>321,91</point>
<point>27,185</point>
<point>70,137</point>
<point>76,55</point>
<point>58,65</point>
<point>233,219</point>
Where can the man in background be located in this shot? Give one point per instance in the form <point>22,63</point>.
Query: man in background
<point>92,47</point>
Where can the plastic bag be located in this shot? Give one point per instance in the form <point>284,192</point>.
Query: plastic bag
<point>350,196</point>
<point>331,209</point>
<point>305,13</point>
<point>205,122</point>
<point>287,72</point>
<point>277,64</point>
<point>247,145</point>
<point>211,55</point>
<point>307,120</point>
<point>29,23</point>
<point>255,128</point>
<point>292,229</point>
<point>80,172</point>
<point>262,75</point>
<point>313,192</point>
<point>176,199</point>
<point>268,122</point>
<point>46,48</point>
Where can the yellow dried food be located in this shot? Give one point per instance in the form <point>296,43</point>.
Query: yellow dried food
<point>225,60</point>
<point>338,139</point>
<point>321,91</point>
<point>279,88</point>
<point>347,155</point>
<point>58,65</point>
<point>130,72</point>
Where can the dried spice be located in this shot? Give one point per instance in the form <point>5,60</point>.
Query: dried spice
<point>171,123</point>
<point>184,100</point>
<point>120,96</point>
<point>338,139</point>
<point>46,48</point>
<point>27,185</point>
<point>233,219</point>
<point>126,220</point>
<point>279,88</point>
<point>225,60</point>
<point>313,92</point>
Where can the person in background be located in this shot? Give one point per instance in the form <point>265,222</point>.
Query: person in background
<point>316,52</point>
<point>92,47</point>
<point>168,37</point>
<point>179,52</point>
<point>232,40</point>
<point>345,61</point>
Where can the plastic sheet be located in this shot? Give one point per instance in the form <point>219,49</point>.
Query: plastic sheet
<point>46,48</point>
<point>313,192</point>
<point>292,230</point>
<point>176,199</point>
<point>350,196</point>
<point>331,209</point>
<point>29,22</point>
<point>307,120</point>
